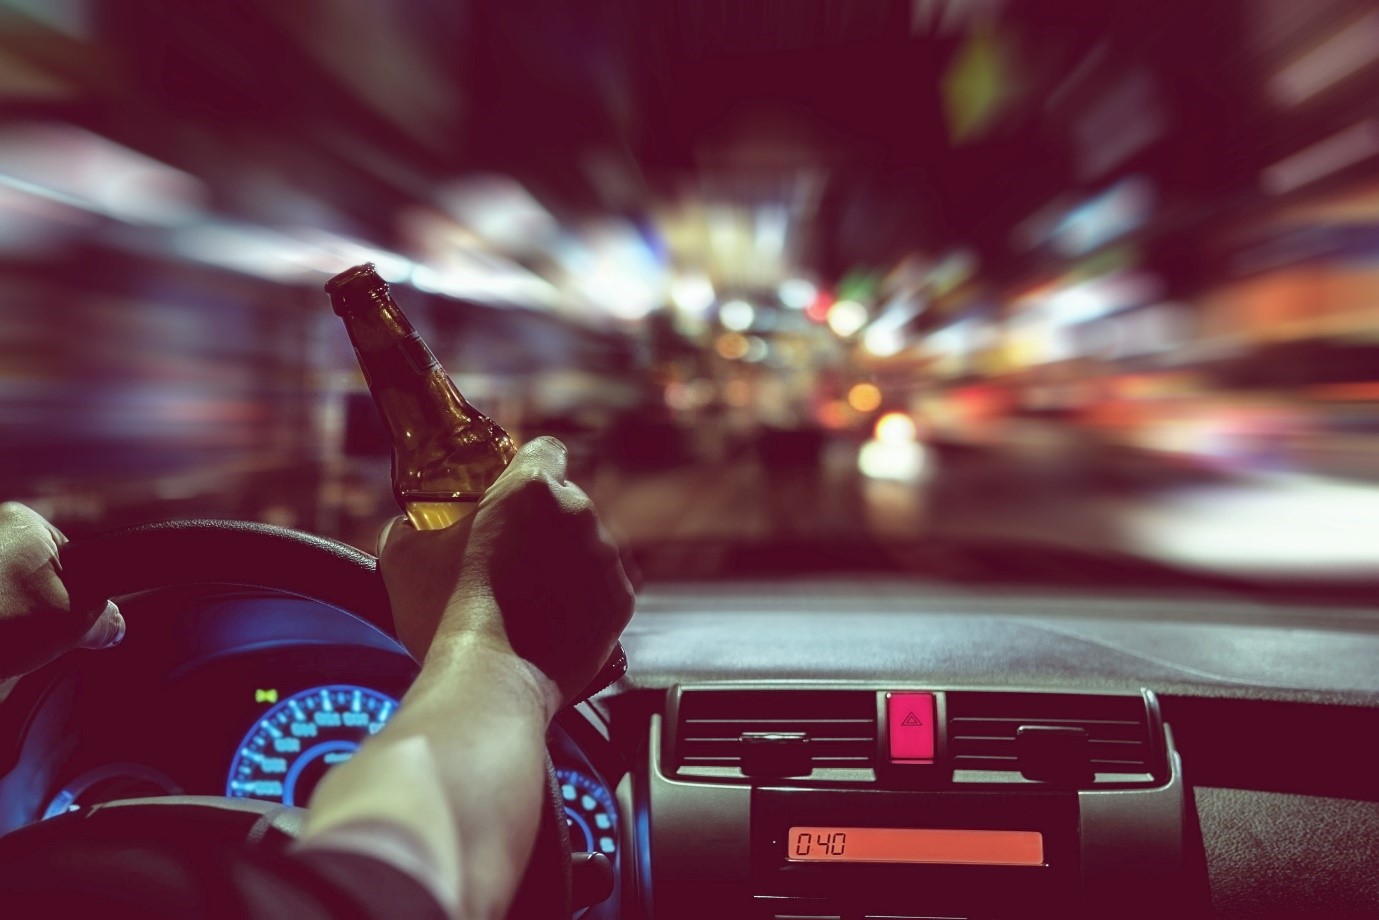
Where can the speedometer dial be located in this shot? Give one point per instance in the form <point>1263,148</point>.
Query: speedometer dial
<point>589,813</point>
<point>291,746</point>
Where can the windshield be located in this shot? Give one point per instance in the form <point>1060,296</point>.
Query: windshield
<point>803,286</point>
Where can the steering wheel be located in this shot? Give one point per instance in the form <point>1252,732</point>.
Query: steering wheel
<point>181,553</point>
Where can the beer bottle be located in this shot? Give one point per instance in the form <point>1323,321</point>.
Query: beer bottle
<point>445,452</point>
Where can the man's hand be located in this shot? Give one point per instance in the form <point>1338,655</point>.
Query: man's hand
<point>37,623</point>
<point>532,568</point>
<point>450,790</point>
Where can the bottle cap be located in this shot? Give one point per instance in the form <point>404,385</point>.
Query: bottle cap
<point>363,277</point>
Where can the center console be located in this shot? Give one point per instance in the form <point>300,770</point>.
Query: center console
<point>852,801</point>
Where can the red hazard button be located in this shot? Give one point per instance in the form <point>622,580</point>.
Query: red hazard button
<point>910,724</point>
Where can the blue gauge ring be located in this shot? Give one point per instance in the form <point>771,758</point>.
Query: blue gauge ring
<point>589,811</point>
<point>291,746</point>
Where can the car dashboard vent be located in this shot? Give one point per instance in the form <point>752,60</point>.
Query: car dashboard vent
<point>983,727</point>
<point>840,726</point>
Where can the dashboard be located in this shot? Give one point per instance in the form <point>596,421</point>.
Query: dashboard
<point>828,749</point>
<point>242,694</point>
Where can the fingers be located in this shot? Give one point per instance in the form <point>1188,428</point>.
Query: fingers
<point>108,630</point>
<point>34,602</point>
<point>19,513</point>
<point>543,456</point>
<point>26,536</point>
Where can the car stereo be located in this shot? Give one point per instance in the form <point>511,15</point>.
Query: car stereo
<point>851,802</point>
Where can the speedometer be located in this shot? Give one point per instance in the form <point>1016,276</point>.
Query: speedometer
<point>589,812</point>
<point>292,745</point>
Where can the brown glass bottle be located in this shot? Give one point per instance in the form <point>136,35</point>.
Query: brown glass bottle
<point>446,453</point>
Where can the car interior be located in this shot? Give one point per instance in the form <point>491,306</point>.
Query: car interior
<point>984,392</point>
<point>1084,765</point>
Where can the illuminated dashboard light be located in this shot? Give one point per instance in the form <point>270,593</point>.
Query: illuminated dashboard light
<point>910,727</point>
<point>915,845</point>
<point>291,746</point>
<point>589,812</point>
<point>130,779</point>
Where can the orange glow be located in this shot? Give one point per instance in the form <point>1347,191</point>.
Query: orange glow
<point>915,845</point>
<point>731,345</point>
<point>737,393</point>
<point>834,415</point>
<point>864,397</point>
<point>1358,392</point>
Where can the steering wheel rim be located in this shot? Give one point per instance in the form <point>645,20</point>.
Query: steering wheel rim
<point>183,553</point>
<point>195,552</point>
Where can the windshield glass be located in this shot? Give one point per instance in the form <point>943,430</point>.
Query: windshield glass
<point>804,286</point>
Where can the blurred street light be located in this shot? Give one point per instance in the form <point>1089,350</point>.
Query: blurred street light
<point>847,317</point>
<point>693,292</point>
<point>797,293</point>
<point>864,397</point>
<point>737,315</point>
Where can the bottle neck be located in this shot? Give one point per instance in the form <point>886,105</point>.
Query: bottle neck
<point>410,387</point>
<point>382,335</point>
<point>374,322</point>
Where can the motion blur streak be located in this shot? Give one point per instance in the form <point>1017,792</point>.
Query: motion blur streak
<point>1102,274</point>
<point>1344,53</point>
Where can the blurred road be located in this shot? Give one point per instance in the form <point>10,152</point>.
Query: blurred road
<point>1039,490</point>
<point>1042,483</point>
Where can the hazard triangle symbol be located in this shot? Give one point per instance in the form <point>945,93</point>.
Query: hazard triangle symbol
<point>912,719</point>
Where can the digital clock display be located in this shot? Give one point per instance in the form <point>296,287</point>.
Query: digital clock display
<point>915,845</point>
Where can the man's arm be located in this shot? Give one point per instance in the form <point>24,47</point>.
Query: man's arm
<point>449,791</point>
<point>511,612</point>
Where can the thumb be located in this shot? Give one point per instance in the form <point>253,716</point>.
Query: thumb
<point>108,630</point>
<point>386,532</point>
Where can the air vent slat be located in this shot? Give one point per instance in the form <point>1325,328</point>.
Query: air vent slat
<point>752,721</point>
<point>1045,721</point>
<point>695,747</point>
<point>813,739</point>
<point>841,725</point>
<point>982,728</point>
